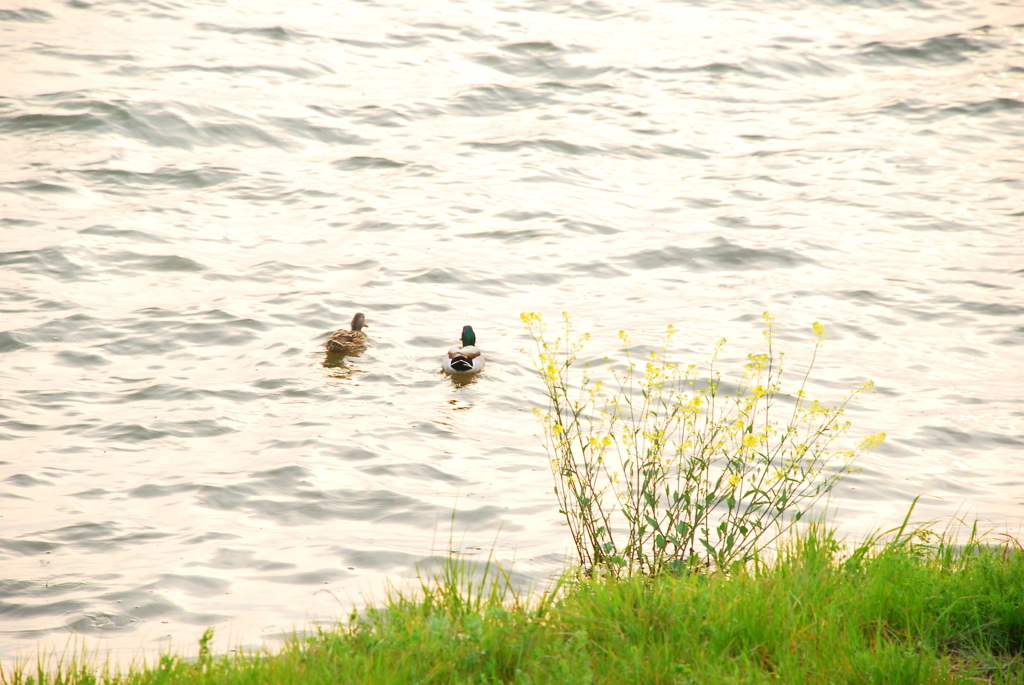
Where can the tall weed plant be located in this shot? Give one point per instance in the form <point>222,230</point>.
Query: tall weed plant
<point>662,466</point>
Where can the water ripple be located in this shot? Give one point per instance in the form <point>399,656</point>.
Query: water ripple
<point>191,207</point>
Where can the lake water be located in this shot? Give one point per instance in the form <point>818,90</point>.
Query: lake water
<point>194,195</point>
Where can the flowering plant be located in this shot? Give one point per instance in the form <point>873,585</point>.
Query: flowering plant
<point>670,470</point>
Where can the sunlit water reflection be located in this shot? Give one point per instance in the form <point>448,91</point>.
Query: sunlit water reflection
<point>194,197</point>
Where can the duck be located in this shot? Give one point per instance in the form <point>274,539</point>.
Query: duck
<point>467,359</point>
<point>345,342</point>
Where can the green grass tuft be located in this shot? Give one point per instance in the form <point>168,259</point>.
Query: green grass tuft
<point>915,609</point>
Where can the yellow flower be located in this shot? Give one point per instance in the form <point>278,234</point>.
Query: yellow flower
<point>872,441</point>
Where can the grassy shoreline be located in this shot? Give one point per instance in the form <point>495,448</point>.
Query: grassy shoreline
<point>916,609</point>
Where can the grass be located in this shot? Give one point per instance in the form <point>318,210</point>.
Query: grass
<point>915,609</point>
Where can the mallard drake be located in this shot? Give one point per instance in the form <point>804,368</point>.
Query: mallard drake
<point>466,359</point>
<point>345,342</point>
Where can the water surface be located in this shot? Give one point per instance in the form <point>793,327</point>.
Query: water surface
<point>194,195</point>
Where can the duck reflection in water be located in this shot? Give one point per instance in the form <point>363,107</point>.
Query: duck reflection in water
<point>338,367</point>
<point>461,381</point>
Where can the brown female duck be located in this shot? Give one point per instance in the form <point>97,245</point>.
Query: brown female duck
<point>346,342</point>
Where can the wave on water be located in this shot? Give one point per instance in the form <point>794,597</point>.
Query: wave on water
<point>195,198</point>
